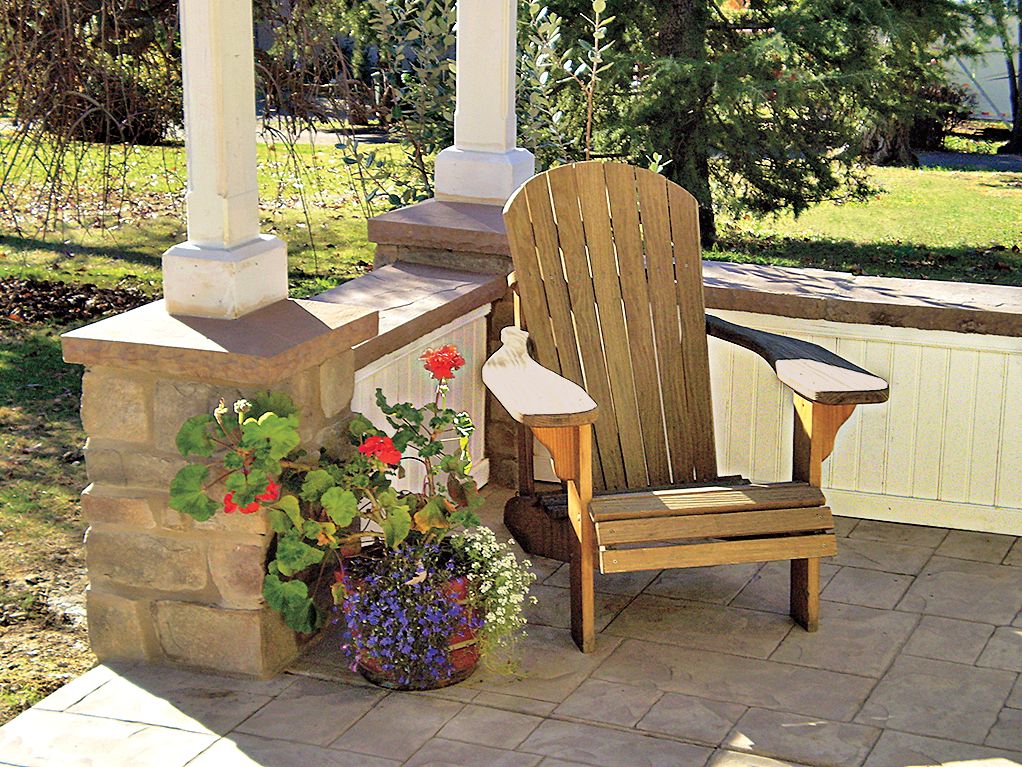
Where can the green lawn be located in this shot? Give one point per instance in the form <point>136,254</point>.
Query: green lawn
<point>930,224</point>
<point>324,229</point>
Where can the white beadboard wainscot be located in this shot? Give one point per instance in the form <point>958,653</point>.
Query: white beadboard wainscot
<point>401,376</point>
<point>945,450</point>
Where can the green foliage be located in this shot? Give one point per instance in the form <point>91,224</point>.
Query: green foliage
<point>294,555</point>
<point>188,495</point>
<point>291,599</point>
<point>340,505</point>
<point>316,484</point>
<point>193,438</point>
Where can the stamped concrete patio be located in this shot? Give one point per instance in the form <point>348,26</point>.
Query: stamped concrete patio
<point>917,663</point>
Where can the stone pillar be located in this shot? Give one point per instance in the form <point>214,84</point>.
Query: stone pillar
<point>163,587</point>
<point>484,164</point>
<point>226,268</point>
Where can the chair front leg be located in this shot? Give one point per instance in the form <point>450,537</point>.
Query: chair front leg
<point>816,428</point>
<point>572,450</point>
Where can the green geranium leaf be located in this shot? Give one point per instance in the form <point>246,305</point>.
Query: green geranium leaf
<point>193,437</point>
<point>465,518</point>
<point>396,526</point>
<point>233,460</point>
<point>360,426</point>
<point>294,555</point>
<point>340,505</point>
<point>289,505</point>
<point>279,521</point>
<point>291,599</point>
<point>272,402</point>
<point>279,435</point>
<point>187,494</point>
<point>316,483</point>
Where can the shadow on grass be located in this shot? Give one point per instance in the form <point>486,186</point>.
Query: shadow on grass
<point>998,265</point>
<point>76,250</point>
<point>33,375</point>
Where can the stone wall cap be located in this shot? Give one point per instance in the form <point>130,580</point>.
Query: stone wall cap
<point>413,300</point>
<point>260,347</point>
<point>785,291</point>
<point>841,297</point>
<point>443,225</point>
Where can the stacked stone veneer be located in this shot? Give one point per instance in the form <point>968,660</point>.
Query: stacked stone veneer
<point>163,587</point>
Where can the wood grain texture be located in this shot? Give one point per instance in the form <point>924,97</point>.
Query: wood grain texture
<point>720,553</point>
<point>705,500</point>
<point>805,592</point>
<point>811,371</point>
<point>616,252</point>
<point>721,525</point>
<point>590,338</point>
<point>816,428</point>
<point>624,209</point>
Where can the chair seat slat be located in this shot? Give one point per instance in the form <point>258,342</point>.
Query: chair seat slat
<point>724,525</point>
<point>705,500</point>
<point>719,553</point>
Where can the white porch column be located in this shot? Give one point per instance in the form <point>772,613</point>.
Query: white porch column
<point>226,268</point>
<point>484,165</point>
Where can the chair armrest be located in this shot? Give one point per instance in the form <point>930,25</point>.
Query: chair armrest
<point>812,372</point>
<point>528,391</point>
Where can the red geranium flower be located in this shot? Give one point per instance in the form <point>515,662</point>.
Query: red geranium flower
<point>229,505</point>
<point>270,494</point>
<point>442,362</point>
<point>381,448</point>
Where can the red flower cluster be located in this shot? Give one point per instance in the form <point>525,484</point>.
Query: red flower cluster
<point>442,362</point>
<point>381,448</point>
<point>269,495</point>
<point>230,506</point>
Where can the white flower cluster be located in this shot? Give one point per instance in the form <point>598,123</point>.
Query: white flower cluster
<point>501,580</point>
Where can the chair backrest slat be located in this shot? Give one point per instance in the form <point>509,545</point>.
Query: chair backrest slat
<point>609,271</point>
<point>596,217</point>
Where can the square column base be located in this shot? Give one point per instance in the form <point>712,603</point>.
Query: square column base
<point>464,175</point>
<point>224,283</point>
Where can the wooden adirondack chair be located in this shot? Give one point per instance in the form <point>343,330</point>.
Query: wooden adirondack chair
<point>608,280</point>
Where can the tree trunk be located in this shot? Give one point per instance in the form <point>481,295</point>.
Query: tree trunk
<point>1014,145</point>
<point>679,118</point>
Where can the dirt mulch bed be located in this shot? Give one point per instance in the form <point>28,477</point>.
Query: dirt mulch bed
<point>63,302</point>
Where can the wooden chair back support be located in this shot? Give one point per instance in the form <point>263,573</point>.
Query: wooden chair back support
<point>608,263</point>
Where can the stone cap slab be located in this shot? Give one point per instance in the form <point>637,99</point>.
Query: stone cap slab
<point>413,300</point>
<point>818,294</point>
<point>443,225</point>
<point>264,346</point>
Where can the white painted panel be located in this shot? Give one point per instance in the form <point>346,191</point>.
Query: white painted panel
<point>1009,468</point>
<point>959,409</point>
<point>402,378</point>
<point>946,449</point>
<point>987,427</point>
<point>931,400</point>
<point>873,425</point>
<point>901,443</point>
